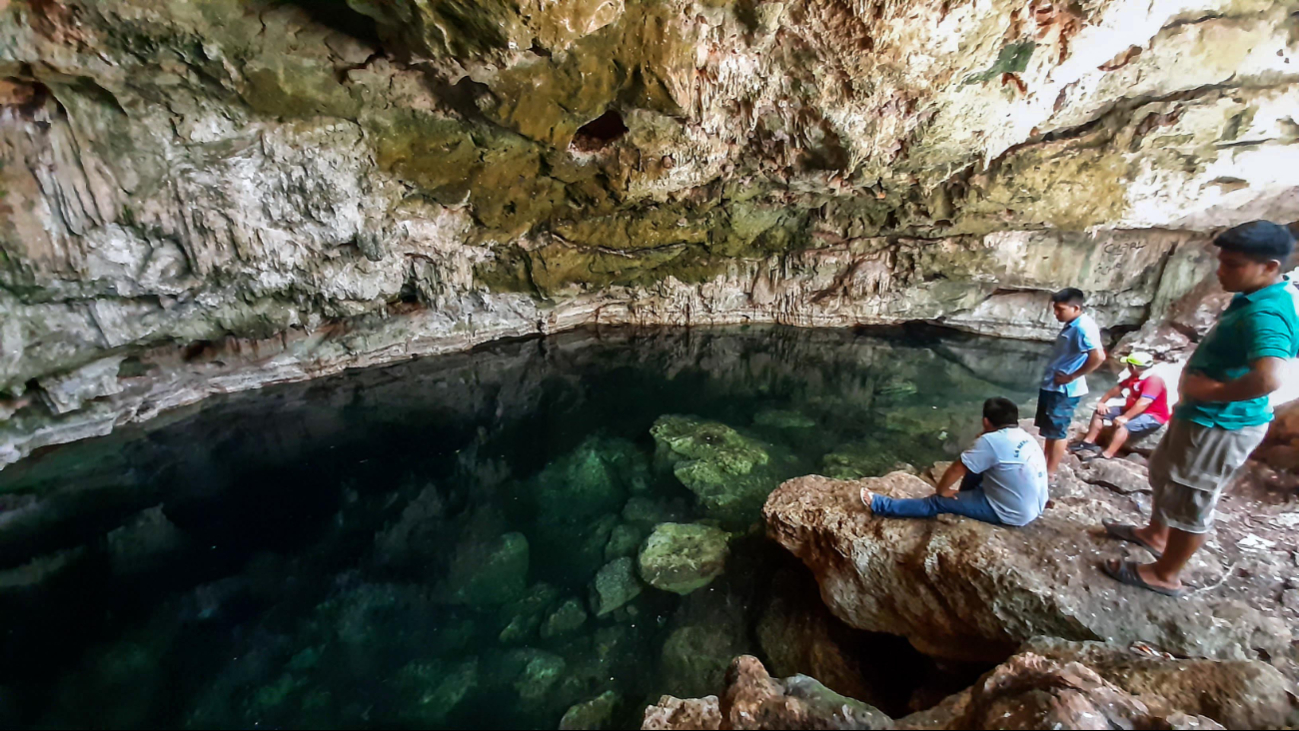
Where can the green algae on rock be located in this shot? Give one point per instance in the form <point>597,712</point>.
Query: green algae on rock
<point>729,472</point>
<point>614,585</point>
<point>683,557</point>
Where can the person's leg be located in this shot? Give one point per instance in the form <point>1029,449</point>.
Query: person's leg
<point>971,504</point>
<point>1166,571</point>
<point>1055,411</point>
<point>1117,440</point>
<point>1094,431</point>
<point>1184,513</point>
<point>1155,533</point>
<point>1055,451</point>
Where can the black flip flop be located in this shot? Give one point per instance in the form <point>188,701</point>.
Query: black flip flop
<point>1126,573</point>
<point>1125,532</point>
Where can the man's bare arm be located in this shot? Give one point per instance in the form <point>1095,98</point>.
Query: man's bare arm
<point>1094,360</point>
<point>951,478</point>
<point>1263,378</point>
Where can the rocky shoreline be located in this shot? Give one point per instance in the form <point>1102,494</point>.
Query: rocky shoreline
<point>1076,649</point>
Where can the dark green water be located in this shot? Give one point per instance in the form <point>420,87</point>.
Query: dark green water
<point>415,546</point>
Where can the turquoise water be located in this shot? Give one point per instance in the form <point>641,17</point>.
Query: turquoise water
<point>454,542</point>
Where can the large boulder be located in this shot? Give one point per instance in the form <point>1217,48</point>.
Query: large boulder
<point>683,557</point>
<point>965,590</point>
<point>1030,691</point>
<point>798,635</point>
<point>691,713</point>
<point>1234,693</point>
<point>731,474</point>
<point>1049,683</point>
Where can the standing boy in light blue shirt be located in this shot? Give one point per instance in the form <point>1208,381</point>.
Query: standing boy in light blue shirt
<point>1078,351</point>
<point>1002,477</point>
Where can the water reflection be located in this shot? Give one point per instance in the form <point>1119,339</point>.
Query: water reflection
<point>454,541</point>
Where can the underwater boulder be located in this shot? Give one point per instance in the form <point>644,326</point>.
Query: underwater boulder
<point>623,540</point>
<point>614,585</point>
<point>429,690</point>
<point>730,473</point>
<point>565,620</point>
<point>683,557</point>
<point>596,713</point>
<point>484,573</point>
<point>523,617</point>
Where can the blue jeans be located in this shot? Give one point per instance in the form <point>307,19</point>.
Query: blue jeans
<point>970,502</point>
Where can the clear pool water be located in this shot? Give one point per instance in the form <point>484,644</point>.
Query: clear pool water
<point>416,546</point>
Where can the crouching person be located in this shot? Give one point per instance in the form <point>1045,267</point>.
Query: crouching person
<point>1002,478</point>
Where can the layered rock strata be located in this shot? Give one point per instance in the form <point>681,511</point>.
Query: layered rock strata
<point>961,589</point>
<point>204,197</point>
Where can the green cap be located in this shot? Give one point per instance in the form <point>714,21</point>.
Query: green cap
<point>1140,360</point>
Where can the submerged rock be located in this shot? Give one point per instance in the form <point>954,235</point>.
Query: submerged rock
<point>624,539</point>
<point>683,557</point>
<point>783,419</point>
<point>965,590</point>
<point>487,573</point>
<point>614,585</point>
<point>523,617</point>
<point>798,635</point>
<point>596,713</point>
<point>539,671</point>
<point>565,620</point>
<point>595,478</point>
<point>695,657</point>
<point>854,461</point>
<point>727,471</point>
<point>430,690</point>
<point>644,512</point>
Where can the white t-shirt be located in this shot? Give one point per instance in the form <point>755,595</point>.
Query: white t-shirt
<point>1014,473</point>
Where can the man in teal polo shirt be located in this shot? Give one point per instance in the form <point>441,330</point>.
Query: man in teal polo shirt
<point>1224,412</point>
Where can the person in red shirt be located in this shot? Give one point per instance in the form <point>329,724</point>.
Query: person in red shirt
<point>1145,410</point>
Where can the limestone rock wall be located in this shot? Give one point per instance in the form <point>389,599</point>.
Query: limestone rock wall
<point>287,188</point>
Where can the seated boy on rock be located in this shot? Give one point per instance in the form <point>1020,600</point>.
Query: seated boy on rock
<point>1002,477</point>
<point>1144,411</point>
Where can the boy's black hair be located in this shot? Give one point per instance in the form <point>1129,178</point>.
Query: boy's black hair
<point>1001,412</point>
<point>1069,296</point>
<point>1262,241</point>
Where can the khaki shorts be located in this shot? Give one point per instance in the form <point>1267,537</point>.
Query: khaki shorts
<point>1191,467</point>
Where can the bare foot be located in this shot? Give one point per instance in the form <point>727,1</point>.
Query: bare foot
<point>866,498</point>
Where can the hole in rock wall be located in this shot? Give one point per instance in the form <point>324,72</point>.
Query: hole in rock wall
<point>600,132</point>
<point>24,95</point>
<point>338,15</point>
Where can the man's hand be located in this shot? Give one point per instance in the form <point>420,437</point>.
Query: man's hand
<point>1120,421</point>
<point>1199,387</point>
<point>1061,378</point>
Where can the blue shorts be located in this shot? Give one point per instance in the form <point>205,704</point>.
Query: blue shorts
<point>1140,424</point>
<point>1055,413</point>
